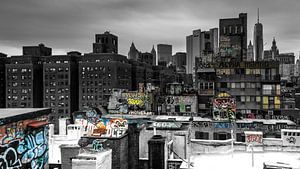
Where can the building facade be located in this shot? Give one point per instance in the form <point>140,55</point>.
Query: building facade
<point>254,85</point>
<point>233,38</point>
<point>99,73</point>
<point>60,79</point>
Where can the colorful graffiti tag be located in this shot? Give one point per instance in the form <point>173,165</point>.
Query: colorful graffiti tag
<point>254,137</point>
<point>23,146</point>
<point>98,126</point>
<point>224,107</point>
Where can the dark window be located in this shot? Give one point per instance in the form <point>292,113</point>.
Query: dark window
<point>201,135</point>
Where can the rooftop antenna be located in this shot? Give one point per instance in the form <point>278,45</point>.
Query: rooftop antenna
<point>257,15</point>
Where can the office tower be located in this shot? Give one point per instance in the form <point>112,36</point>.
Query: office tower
<point>133,52</point>
<point>250,53</point>
<point>233,38</point>
<point>201,46</point>
<point>105,43</point>
<point>153,52</point>
<point>193,50</point>
<point>179,59</point>
<point>258,40</point>
<point>3,61</point>
<point>164,53</point>
<point>60,77</point>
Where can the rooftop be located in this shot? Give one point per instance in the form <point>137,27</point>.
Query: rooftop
<point>9,115</point>
<point>244,160</point>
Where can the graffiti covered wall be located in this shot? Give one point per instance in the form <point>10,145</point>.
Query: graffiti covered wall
<point>224,108</point>
<point>94,125</point>
<point>24,145</point>
<point>175,105</point>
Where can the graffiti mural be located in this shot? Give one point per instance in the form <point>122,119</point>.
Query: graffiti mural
<point>201,124</point>
<point>224,107</point>
<point>222,125</point>
<point>166,125</point>
<point>23,146</point>
<point>97,126</point>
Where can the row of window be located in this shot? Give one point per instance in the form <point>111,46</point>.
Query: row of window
<point>15,98</point>
<point>59,69</point>
<point>54,97</point>
<point>59,90</point>
<point>242,71</point>
<point>237,29</point>
<point>54,104</point>
<point>15,70</point>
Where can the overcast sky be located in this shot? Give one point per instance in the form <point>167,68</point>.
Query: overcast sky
<point>67,25</point>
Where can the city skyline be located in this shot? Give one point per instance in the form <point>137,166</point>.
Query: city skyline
<point>68,26</point>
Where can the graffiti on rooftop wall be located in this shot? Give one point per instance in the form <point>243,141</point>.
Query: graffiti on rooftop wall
<point>97,126</point>
<point>222,125</point>
<point>22,146</point>
<point>224,108</point>
<point>254,138</point>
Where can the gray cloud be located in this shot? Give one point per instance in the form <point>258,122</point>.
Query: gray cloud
<point>71,24</point>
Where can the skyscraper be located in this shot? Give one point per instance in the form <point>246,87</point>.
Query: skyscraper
<point>258,40</point>
<point>133,52</point>
<point>233,38</point>
<point>250,54</point>
<point>164,53</point>
<point>153,52</point>
<point>105,43</point>
<point>201,46</point>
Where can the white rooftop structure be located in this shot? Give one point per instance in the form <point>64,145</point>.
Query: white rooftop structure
<point>243,160</point>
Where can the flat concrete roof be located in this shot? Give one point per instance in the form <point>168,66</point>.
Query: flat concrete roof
<point>243,160</point>
<point>8,115</point>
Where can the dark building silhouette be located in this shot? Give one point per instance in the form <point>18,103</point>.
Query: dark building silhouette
<point>133,53</point>
<point>164,53</point>
<point>105,43</point>
<point>140,73</point>
<point>3,60</point>
<point>179,60</point>
<point>258,40</point>
<point>99,73</point>
<point>60,77</point>
<point>271,54</point>
<point>146,58</point>
<point>40,50</point>
<point>24,78</point>
<point>250,53</point>
<point>233,38</point>
<point>153,52</point>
